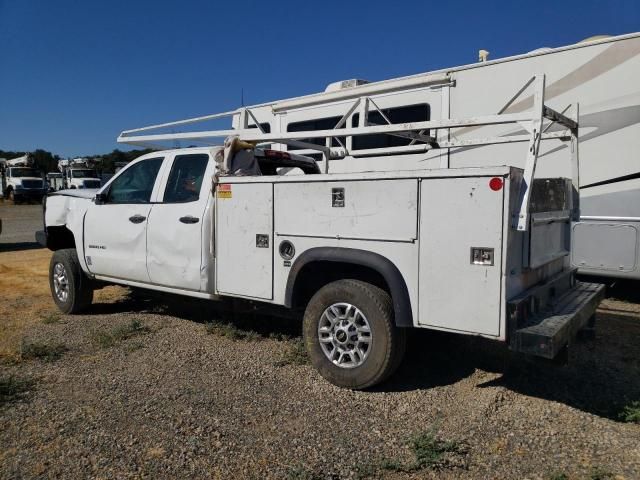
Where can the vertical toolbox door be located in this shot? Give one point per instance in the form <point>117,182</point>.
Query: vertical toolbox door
<point>244,240</point>
<point>457,292</point>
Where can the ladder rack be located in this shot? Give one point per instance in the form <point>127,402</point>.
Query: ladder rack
<point>532,120</point>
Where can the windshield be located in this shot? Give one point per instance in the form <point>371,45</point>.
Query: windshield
<point>24,172</point>
<point>83,173</point>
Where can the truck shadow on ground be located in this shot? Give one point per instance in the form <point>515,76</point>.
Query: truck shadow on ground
<point>17,246</point>
<point>601,377</point>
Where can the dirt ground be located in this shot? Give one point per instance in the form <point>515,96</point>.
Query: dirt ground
<point>156,387</point>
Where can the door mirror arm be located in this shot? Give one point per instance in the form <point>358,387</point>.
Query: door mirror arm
<point>100,199</point>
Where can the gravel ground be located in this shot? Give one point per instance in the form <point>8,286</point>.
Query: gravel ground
<point>145,388</point>
<point>183,400</point>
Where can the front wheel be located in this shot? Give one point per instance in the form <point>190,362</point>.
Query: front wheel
<point>350,334</point>
<point>70,287</point>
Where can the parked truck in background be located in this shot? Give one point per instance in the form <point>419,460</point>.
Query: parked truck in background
<point>20,181</point>
<point>363,257</point>
<point>78,173</point>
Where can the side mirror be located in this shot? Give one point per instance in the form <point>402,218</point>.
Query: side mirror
<point>100,199</point>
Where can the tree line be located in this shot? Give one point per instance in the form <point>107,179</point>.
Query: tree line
<point>46,161</point>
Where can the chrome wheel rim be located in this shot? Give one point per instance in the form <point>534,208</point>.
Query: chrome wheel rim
<point>60,282</point>
<point>344,335</point>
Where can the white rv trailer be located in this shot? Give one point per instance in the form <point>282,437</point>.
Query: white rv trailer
<point>601,74</point>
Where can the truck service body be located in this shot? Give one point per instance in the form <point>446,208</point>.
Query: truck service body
<point>366,255</point>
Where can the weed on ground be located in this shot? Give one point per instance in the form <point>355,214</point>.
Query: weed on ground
<point>51,318</point>
<point>231,331</point>
<point>429,451</point>
<point>120,333</point>
<point>42,351</point>
<point>631,412</point>
<point>13,388</point>
<point>294,354</point>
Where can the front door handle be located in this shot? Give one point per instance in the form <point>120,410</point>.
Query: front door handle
<point>189,219</point>
<point>137,219</point>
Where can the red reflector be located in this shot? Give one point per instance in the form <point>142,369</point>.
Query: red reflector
<point>495,184</point>
<point>276,154</point>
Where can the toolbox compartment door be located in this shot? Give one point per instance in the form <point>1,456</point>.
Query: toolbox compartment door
<point>244,240</point>
<point>457,292</point>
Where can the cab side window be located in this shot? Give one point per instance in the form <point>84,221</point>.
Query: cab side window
<point>135,184</point>
<point>186,177</point>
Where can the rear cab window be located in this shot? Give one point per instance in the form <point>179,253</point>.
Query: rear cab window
<point>186,178</point>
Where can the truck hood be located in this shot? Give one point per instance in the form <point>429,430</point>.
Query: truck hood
<point>77,192</point>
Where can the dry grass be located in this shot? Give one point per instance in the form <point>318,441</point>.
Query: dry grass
<point>25,299</point>
<point>24,290</point>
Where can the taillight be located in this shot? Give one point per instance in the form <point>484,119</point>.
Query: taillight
<point>495,184</point>
<point>276,154</point>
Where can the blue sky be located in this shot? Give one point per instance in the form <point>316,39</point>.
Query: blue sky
<point>73,74</point>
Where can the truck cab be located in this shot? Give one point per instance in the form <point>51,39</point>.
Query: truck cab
<point>77,177</point>
<point>78,173</point>
<point>152,223</point>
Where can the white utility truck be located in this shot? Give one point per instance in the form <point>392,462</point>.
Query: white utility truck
<point>20,181</point>
<point>78,173</point>
<point>366,256</point>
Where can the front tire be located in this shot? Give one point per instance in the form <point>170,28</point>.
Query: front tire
<point>350,334</point>
<point>71,289</point>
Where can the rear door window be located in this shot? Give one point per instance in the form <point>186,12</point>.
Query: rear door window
<point>186,178</point>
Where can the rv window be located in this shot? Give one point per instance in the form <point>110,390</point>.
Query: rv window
<point>315,124</point>
<point>411,113</point>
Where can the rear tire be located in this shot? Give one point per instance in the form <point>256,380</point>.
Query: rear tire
<point>350,334</point>
<point>71,289</point>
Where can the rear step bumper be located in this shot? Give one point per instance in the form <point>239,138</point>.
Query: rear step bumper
<point>546,318</point>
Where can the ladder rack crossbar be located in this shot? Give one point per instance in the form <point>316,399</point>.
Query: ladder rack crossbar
<point>532,121</point>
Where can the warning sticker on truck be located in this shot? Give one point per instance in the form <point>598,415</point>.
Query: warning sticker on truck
<point>224,191</point>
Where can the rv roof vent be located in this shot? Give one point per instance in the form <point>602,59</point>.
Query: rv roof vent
<point>594,38</point>
<point>541,50</point>
<point>342,84</point>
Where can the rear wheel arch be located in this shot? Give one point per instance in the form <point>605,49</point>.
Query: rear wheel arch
<point>319,266</point>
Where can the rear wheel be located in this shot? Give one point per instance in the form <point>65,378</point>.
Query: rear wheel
<point>71,289</point>
<point>350,334</point>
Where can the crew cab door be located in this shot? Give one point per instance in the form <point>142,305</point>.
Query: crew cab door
<point>176,247</point>
<point>115,232</point>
